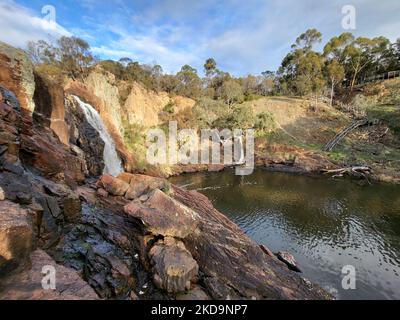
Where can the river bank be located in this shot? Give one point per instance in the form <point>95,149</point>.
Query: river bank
<point>322,170</point>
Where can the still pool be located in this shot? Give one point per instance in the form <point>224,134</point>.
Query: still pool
<point>326,224</point>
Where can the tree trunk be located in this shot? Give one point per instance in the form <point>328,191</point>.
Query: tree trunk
<point>316,101</point>
<point>353,81</point>
<point>332,87</point>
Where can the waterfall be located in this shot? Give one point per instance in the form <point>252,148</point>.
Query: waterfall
<point>112,162</point>
<point>238,146</point>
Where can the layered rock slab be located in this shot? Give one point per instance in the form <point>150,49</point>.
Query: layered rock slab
<point>15,237</point>
<point>164,216</point>
<point>27,285</point>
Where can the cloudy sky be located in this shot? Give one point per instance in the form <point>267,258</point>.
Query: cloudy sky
<point>243,36</point>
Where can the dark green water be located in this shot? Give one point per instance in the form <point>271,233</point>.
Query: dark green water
<point>326,224</point>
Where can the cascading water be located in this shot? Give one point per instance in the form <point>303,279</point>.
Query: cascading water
<point>238,148</point>
<point>112,162</point>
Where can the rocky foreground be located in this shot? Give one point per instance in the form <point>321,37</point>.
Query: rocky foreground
<point>133,236</point>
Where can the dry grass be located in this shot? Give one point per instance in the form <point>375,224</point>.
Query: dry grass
<point>300,120</point>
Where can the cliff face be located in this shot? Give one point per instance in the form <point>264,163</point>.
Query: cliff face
<point>82,91</point>
<point>143,106</point>
<point>50,107</point>
<point>104,87</point>
<point>140,107</point>
<point>82,135</point>
<point>16,75</point>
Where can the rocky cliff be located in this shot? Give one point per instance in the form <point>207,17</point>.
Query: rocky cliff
<point>17,72</point>
<point>143,107</point>
<point>131,236</point>
<point>119,103</point>
<point>131,101</point>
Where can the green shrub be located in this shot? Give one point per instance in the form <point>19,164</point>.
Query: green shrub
<point>135,141</point>
<point>240,117</point>
<point>169,107</point>
<point>264,123</point>
<point>252,97</point>
<point>207,111</point>
<point>51,71</point>
<point>167,188</point>
<point>361,101</point>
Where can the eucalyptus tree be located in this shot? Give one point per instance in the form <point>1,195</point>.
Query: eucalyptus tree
<point>335,73</point>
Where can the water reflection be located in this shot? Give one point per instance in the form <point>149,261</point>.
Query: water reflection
<point>325,223</point>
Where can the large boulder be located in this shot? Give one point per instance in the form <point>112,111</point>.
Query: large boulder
<point>140,184</point>
<point>27,285</point>
<point>173,266</point>
<point>59,206</point>
<point>16,75</point>
<point>102,247</point>
<point>42,151</point>
<point>164,216</point>
<point>15,237</point>
<point>16,186</point>
<point>114,186</point>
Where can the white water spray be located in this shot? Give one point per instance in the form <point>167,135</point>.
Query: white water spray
<point>112,162</point>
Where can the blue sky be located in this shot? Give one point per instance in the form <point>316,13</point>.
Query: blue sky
<point>243,36</point>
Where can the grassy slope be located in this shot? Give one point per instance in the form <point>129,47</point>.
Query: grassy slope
<point>304,127</point>
<point>378,146</point>
<point>301,131</point>
<point>298,122</point>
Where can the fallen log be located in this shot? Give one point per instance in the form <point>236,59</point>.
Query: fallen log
<point>356,171</point>
<point>342,134</point>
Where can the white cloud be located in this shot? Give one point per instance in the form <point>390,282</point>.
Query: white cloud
<point>149,48</point>
<point>243,36</point>
<point>18,25</point>
<point>114,54</point>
